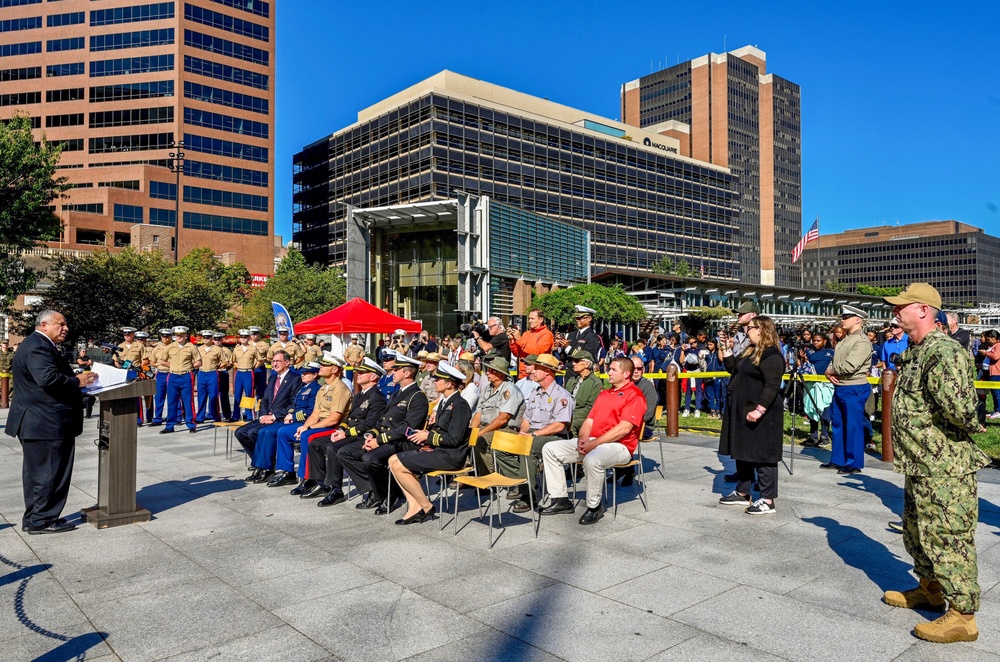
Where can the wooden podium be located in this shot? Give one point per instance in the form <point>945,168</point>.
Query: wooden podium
<point>116,464</point>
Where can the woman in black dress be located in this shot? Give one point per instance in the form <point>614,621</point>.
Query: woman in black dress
<point>753,424</point>
<point>443,446</point>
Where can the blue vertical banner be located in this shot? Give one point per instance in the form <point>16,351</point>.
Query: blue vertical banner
<point>282,318</point>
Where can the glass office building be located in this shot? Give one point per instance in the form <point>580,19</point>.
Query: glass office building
<point>632,191</point>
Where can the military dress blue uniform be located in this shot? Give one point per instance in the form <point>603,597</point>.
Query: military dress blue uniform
<point>267,439</point>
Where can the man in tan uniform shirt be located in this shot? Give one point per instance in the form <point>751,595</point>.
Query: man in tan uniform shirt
<point>183,359</point>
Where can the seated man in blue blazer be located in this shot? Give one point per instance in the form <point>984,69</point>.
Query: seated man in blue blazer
<point>277,401</point>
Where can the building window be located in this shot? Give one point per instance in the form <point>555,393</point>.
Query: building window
<point>74,18</point>
<point>88,208</point>
<point>207,196</point>
<point>228,23</point>
<point>225,148</point>
<point>23,73</point>
<point>68,44</point>
<point>71,94</point>
<point>71,119</point>
<point>14,24</point>
<point>131,65</point>
<point>123,239</point>
<point>132,117</point>
<point>197,221</point>
<point>36,122</point>
<point>71,69</point>
<point>253,6</point>
<point>20,98</point>
<point>72,145</point>
<point>90,237</point>
<point>225,98</point>
<point>138,39</point>
<point>128,184</point>
<point>27,48</point>
<point>166,217</point>
<point>196,65</point>
<point>128,213</point>
<point>226,47</point>
<point>130,143</point>
<point>162,191</point>
<point>18,3</point>
<point>225,173</point>
<point>133,14</point>
<point>125,91</point>
<point>239,125</point>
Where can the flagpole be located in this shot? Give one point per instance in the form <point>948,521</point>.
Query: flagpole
<point>819,263</point>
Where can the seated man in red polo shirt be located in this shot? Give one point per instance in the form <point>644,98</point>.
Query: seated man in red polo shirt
<point>608,437</point>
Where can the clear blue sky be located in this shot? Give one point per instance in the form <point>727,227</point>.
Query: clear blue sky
<point>900,101</point>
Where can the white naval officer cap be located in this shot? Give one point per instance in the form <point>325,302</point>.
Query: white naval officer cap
<point>404,360</point>
<point>852,311</point>
<point>244,332</point>
<point>128,329</point>
<point>581,311</point>
<point>141,335</point>
<point>180,330</point>
<point>254,329</point>
<point>166,332</point>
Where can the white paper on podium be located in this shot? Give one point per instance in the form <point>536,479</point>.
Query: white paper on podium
<point>107,377</point>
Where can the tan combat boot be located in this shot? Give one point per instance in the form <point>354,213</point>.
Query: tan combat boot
<point>926,596</point>
<point>953,626</point>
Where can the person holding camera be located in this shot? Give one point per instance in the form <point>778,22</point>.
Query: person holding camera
<point>538,339</point>
<point>497,341</point>
<point>399,344</point>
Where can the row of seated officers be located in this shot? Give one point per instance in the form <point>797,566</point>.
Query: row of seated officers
<point>367,434</point>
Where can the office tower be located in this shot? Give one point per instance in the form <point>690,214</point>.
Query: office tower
<point>727,110</point>
<point>118,83</point>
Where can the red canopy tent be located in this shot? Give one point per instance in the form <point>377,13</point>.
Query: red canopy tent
<point>357,316</point>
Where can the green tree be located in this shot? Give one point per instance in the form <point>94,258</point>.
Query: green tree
<point>612,304</point>
<point>200,290</point>
<point>872,290</point>
<point>684,269</point>
<point>697,317</point>
<point>665,267</point>
<point>102,292</point>
<point>304,290</point>
<point>27,189</point>
<point>836,286</point>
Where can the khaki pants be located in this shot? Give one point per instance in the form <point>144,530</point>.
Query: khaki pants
<point>562,451</point>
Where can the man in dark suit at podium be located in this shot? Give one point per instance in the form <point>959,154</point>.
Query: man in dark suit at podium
<point>46,415</point>
<point>278,400</point>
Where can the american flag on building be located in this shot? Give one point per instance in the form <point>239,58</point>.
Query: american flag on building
<point>812,235</point>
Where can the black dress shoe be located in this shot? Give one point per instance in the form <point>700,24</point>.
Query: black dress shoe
<point>303,487</point>
<point>557,507</point>
<point>592,515</point>
<point>847,471</point>
<point>166,431</point>
<point>367,502</point>
<point>265,475</point>
<point>731,478</point>
<point>192,430</point>
<point>521,506</point>
<point>282,478</point>
<point>254,475</point>
<point>154,424</point>
<point>317,490</point>
<point>386,506</point>
<point>332,499</point>
<point>828,465</point>
<point>55,527</point>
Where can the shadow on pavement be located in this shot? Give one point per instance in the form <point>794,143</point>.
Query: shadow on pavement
<point>857,550</point>
<point>170,494</point>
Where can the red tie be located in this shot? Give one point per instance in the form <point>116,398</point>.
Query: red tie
<point>277,385</point>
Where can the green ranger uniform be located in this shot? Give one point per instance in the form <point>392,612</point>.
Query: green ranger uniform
<point>933,418</point>
<point>584,392</point>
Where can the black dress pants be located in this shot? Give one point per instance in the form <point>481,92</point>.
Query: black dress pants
<point>45,476</point>
<point>324,463</point>
<point>247,435</point>
<point>370,469</point>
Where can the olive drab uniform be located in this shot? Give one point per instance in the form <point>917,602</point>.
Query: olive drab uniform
<point>933,418</point>
<point>244,359</point>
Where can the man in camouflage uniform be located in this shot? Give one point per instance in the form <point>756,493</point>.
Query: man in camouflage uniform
<point>933,418</point>
<point>6,360</point>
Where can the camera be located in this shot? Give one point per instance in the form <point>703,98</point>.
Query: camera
<point>477,326</point>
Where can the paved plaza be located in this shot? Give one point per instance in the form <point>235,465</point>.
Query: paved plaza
<point>228,571</point>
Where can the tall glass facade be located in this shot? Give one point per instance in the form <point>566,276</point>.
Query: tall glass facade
<point>637,204</point>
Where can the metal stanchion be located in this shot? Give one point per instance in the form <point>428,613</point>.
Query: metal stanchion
<point>888,388</point>
<point>795,409</point>
<point>673,400</point>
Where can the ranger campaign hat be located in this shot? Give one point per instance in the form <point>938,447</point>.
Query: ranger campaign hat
<point>166,332</point>
<point>180,330</point>
<point>254,329</point>
<point>433,357</point>
<point>467,356</point>
<point>546,361</point>
<point>311,368</point>
<point>583,311</point>
<point>141,335</point>
<point>244,333</point>
<point>451,373</point>
<point>924,293</point>
<point>367,365</point>
<point>852,311</point>
<point>422,355</point>
<point>498,364</point>
<point>581,355</point>
<point>748,307</point>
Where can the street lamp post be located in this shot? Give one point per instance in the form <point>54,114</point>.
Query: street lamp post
<point>177,166</point>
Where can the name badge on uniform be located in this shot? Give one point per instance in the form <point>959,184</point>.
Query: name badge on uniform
<point>364,405</point>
